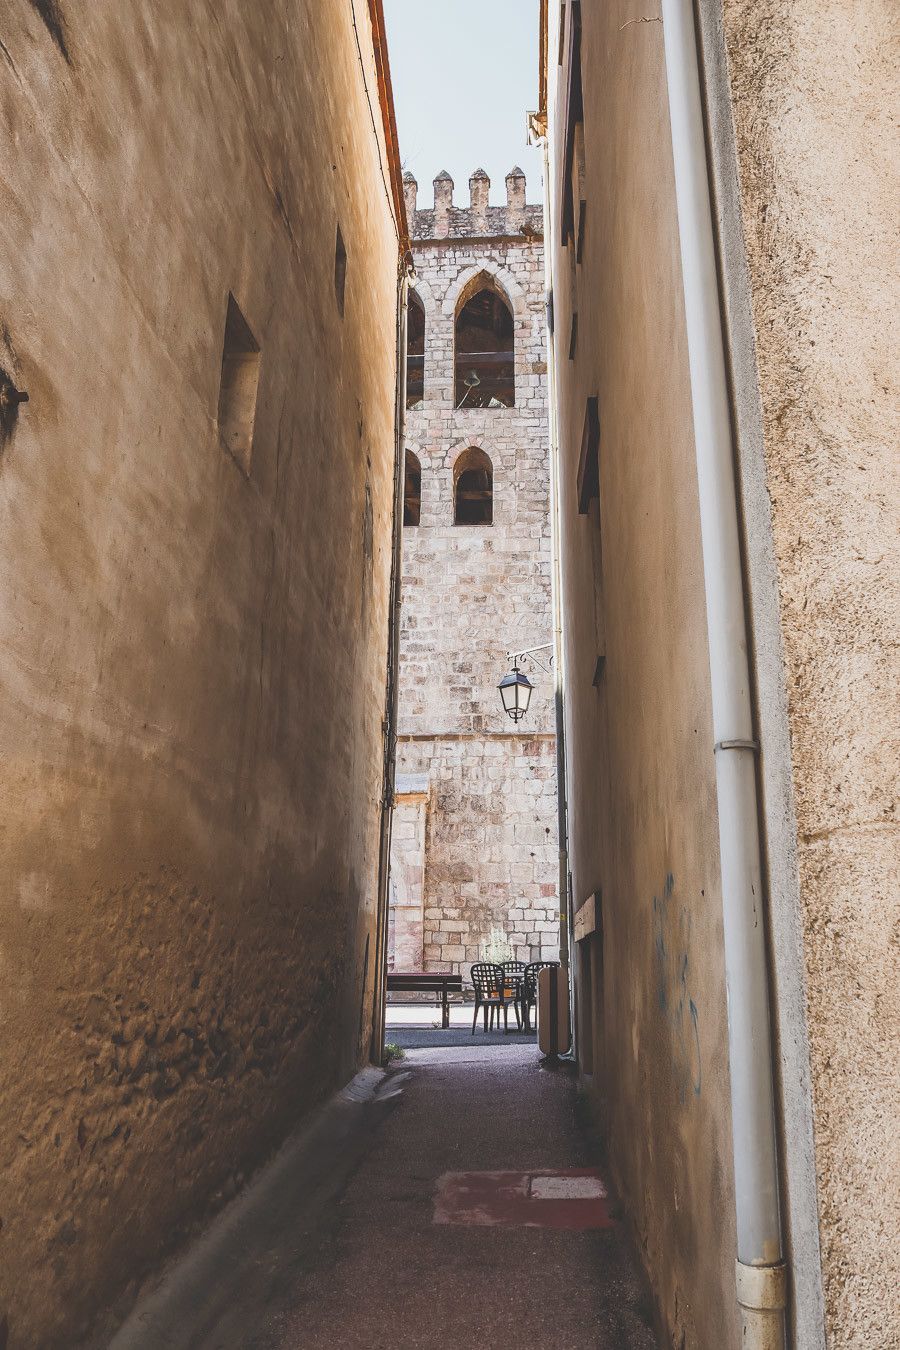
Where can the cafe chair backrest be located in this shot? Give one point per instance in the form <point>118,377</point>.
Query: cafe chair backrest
<point>513,967</point>
<point>487,979</point>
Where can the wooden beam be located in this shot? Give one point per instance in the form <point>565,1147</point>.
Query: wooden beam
<point>386,103</point>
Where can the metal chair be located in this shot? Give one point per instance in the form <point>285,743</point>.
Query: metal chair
<point>488,983</point>
<point>528,997</point>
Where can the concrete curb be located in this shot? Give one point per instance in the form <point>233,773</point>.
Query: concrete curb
<point>217,1292</point>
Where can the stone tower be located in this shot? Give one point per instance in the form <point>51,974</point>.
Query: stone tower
<point>474,856</point>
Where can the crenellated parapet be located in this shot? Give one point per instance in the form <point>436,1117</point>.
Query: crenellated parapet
<point>479,219</point>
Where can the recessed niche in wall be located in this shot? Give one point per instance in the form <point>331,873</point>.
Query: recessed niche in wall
<point>415,352</point>
<point>238,387</point>
<point>412,490</point>
<point>340,270</point>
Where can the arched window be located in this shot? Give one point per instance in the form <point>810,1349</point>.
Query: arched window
<point>473,489</point>
<point>415,352</point>
<point>485,370</point>
<point>412,490</point>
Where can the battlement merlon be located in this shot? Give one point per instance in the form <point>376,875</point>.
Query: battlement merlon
<point>477,220</point>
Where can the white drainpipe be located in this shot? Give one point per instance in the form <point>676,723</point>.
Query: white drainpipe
<point>565,918</point>
<point>760,1269</point>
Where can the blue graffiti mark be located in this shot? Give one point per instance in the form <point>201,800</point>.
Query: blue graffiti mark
<point>671,942</point>
<point>697,1071</point>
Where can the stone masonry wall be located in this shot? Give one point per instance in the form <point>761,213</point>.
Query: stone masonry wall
<point>473,593</point>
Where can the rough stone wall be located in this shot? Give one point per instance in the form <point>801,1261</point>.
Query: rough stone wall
<point>471,593</point>
<point>814,96</point>
<point>192,657</point>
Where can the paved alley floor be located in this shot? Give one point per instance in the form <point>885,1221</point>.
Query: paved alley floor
<point>452,1204</point>
<point>384,1273</point>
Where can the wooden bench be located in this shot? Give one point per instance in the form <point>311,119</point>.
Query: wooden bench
<point>429,982</point>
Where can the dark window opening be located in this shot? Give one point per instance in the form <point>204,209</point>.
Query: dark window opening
<point>572,159</point>
<point>415,352</point>
<point>238,387</point>
<point>412,490</point>
<point>573,302</point>
<point>485,356</point>
<point>340,270</point>
<point>473,489</point>
<point>588,479</point>
<point>599,601</point>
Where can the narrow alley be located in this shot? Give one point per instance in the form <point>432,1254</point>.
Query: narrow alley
<point>449,578</point>
<point>388,1256</point>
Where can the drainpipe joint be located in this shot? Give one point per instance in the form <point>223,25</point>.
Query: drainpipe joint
<point>762,1295</point>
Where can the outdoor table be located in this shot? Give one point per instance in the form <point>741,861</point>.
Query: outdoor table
<point>426,981</point>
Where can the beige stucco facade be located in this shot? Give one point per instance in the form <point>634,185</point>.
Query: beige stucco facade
<point>814,88</point>
<point>193,643</point>
<point>641,779</point>
<point>804,173</point>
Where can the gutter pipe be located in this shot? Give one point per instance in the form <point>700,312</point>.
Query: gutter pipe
<point>376,1051</point>
<point>760,1267</point>
<point>538,125</point>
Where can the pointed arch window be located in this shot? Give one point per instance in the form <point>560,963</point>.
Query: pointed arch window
<point>412,490</point>
<point>485,348</point>
<point>473,488</point>
<point>415,352</point>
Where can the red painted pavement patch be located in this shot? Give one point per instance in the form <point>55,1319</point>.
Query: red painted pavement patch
<point>540,1199</point>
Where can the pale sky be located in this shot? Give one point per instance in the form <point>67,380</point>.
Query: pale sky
<point>465,74</point>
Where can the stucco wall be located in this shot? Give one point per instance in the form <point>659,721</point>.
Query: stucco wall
<point>471,593</point>
<point>814,92</point>
<point>642,800</point>
<point>193,659</point>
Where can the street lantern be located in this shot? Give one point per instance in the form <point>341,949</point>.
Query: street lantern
<point>515,692</point>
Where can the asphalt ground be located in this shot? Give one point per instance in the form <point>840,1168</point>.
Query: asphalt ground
<point>431,1208</point>
<point>414,1026</point>
<point>417,1038</point>
<point>383,1275</point>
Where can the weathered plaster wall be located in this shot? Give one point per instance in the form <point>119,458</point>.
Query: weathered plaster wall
<point>642,798</point>
<point>192,658</point>
<point>406,906</point>
<point>814,96</point>
<point>471,593</point>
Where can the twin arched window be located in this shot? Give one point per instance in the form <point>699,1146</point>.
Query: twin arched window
<point>473,489</point>
<point>484,348</point>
